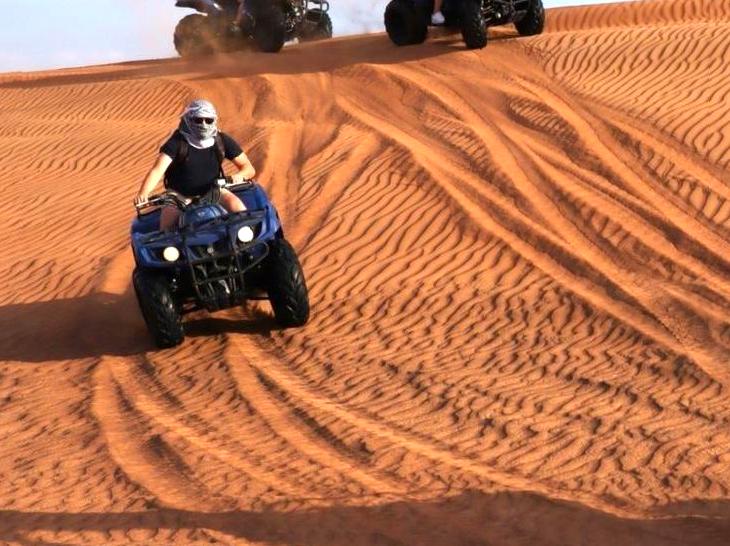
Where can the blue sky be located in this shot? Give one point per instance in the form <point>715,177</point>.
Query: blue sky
<point>41,34</point>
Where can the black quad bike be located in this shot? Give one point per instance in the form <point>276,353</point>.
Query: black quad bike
<point>407,21</point>
<point>214,260</point>
<point>265,25</point>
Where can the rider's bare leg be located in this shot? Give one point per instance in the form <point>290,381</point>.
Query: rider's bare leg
<point>241,13</point>
<point>170,214</point>
<point>231,202</point>
<point>168,218</point>
<point>437,17</point>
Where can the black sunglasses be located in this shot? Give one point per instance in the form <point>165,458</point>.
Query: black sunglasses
<point>200,121</point>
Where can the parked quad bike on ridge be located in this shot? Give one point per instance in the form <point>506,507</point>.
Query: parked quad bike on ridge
<point>214,260</point>
<point>266,25</point>
<point>407,21</point>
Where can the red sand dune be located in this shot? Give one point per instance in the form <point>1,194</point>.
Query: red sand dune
<point>519,265</point>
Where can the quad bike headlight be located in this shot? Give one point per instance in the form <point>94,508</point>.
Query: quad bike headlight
<point>245,234</point>
<point>171,254</point>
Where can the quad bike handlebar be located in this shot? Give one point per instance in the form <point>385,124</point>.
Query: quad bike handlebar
<point>160,199</point>
<point>171,197</point>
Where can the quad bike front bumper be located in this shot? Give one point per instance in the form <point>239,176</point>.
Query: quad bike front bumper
<point>219,260</point>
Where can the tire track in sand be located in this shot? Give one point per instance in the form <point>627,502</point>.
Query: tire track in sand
<point>254,384</point>
<point>120,371</point>
<point>560,269</point>
<point>272,372</point>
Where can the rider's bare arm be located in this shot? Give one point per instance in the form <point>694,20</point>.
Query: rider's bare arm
<point>154,177</point>
<point>245,168</point>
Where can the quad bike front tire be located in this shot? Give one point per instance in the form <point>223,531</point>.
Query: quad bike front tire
<point>318,26</point>
<point>160,312</point>
<point>405,22</point>
<point>286,287</point>
<point>193,36</point>
<point>533,22</point>
<point>269,32</point>
<point>473,26</point>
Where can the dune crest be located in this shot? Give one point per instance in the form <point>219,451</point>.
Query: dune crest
<point>518,264</point>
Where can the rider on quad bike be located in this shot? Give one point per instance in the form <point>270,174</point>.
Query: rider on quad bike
<point>191,161</point>
<point>407,21</point>
<point>209,241</point>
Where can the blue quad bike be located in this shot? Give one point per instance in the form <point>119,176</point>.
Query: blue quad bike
<point>214,260</point>
<point>407,21</point>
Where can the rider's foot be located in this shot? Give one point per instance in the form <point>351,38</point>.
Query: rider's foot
<point>438,18</point>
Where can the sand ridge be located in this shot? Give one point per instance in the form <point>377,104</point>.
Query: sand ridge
<point>518,264</point>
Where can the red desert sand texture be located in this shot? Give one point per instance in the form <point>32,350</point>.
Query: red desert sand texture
<point>519,266</point>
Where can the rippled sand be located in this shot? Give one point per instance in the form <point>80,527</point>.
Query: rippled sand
<point>519,265</point>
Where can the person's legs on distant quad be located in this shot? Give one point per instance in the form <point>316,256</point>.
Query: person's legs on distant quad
<point>234,12</point>
<point>437,18</point>
<point>241,14</point>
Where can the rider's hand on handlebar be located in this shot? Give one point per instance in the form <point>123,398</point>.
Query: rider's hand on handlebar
<point>140,199</point>
<point>238,178</point>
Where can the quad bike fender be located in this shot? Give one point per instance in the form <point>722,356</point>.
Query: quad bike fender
<point>148,253</point>
<point>255,198</point>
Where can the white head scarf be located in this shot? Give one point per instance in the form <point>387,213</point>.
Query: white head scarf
<point>199,136</point>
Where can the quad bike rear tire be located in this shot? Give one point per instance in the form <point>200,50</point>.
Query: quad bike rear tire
<point>193,36</point>
<point>405,22</point>
<point>286,287</point>
<point>160,312</point>
<point>269,32</point>
<point>473,26</point>
<point>318,26</point>
<point>533,22</point>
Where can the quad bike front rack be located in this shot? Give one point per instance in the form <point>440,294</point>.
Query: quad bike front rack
<point>217,271</point>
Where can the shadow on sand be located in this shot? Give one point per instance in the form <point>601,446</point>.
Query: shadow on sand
<point>97,325</point>
<point>472,518</point>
